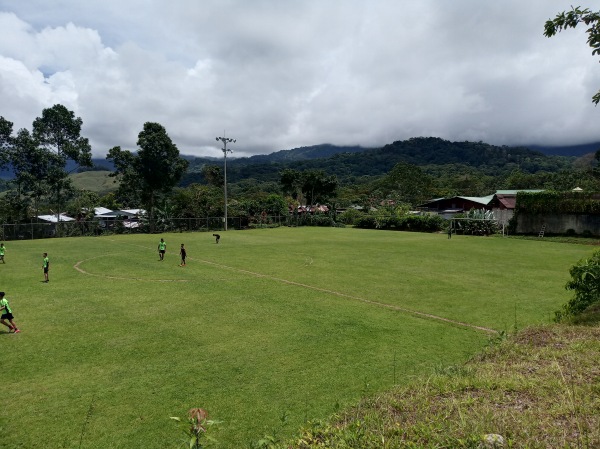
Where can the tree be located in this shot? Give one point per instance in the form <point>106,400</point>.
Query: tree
<point>213,175</point>
<point>58,131</point>
<point>571,19</point>
<point>153,171</point>
<point>314,185</point>
<point>408,183</point>
<point>290,181</point>
<point>6,128</point>
<point>31,166</point>
<point>317,187</point>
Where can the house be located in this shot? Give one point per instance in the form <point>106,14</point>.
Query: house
<point>448,207</point>
<point>503,204</point>
<point>128,217</point>
<point>52,221</point>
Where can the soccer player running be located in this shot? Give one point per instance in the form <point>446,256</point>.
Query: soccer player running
<point>46,266</point>
<point>7,315</point>
<point>2,250</point>
<point>162,248</point>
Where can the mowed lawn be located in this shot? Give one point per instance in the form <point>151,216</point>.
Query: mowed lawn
<point>288,322</point>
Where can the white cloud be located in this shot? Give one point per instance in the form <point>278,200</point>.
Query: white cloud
<point>276,75</point>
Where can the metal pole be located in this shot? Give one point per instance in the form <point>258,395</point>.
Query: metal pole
<point>225,140</point>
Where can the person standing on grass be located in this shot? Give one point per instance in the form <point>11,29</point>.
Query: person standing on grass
<point>7,315</point>
<point>162,248</point>
<point>46,266</point>
<point>183,254</point>
<point>2,250</point>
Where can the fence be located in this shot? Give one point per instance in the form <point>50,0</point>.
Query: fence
<point>39,230</point>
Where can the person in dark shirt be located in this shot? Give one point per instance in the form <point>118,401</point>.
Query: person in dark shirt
<point>183,254</point>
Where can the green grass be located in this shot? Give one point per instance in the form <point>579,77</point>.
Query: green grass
<point>537,389</point>
<point>94,181</point>
<point>288,321</point>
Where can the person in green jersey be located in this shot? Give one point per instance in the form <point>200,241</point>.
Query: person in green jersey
<point>2,250</point>
<point>7,315</point>
<point>46,266</point>
<point>162,248</point>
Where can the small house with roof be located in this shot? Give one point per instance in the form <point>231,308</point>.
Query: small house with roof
<point>449,207</point>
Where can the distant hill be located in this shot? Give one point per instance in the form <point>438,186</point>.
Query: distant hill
<point>312,152</point>
<point>573,150</point>
<point>421,151</point>
<point>350,162</point>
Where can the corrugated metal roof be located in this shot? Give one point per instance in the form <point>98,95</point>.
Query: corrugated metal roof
<point>514,192</point>
<point>54,218</point>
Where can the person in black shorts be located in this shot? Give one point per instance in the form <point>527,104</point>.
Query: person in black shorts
<point>217,237</point>
<point>162,248</point>
<point>7,315</point>
<point>46,266</point>
<point>183,254</point>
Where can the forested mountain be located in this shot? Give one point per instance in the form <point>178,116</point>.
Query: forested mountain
<point>352,164</point>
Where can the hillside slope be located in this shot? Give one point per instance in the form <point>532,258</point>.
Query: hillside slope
<point>537,389</point>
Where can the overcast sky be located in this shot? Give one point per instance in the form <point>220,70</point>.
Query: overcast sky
<point>280,74</point>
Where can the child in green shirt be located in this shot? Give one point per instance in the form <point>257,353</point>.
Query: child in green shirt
<point>7,315</point>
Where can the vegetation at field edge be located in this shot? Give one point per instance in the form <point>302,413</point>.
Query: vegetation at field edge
<point>537,389</point>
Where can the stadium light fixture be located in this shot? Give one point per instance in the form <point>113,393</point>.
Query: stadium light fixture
<point>225,141</point>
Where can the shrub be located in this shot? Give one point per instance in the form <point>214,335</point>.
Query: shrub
<point>585,281</point>
<point>350,216</point>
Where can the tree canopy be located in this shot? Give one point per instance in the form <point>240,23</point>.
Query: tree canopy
<point>153,171</point>
<point>571,19</point>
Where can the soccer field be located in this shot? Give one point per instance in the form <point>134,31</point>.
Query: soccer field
<point>287,322</point>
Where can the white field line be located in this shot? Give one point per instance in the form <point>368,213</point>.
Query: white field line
<point>331,292</point>
<point>81,270</point>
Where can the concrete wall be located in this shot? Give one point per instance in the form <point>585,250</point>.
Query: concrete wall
<point>558,224</point>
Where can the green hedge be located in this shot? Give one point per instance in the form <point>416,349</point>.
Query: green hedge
<point>558,202</point>
<point>417,223</point>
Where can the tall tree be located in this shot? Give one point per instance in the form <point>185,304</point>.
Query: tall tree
<point>153,171</point>
<point>317,187</point>
<point>58,131</point>
<point>571,19</point>
<point>408,183</point>
<point>6,128</point>
<point>31,166</point>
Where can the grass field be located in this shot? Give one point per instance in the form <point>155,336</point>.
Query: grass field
<point>288,322</point>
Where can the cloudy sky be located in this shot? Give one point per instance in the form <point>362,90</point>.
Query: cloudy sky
<point>280,74</point>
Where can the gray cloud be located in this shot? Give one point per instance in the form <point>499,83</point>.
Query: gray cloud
<point>277,75</point>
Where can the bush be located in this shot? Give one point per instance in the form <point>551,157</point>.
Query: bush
<point>585,281</point>
<point>350,216</point>
<point>416,223</point>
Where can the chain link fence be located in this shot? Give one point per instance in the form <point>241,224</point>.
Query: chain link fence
<point>40,230</point>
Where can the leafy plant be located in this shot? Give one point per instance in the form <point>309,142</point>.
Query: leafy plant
<point>196,428</point>
<point>585,281</point>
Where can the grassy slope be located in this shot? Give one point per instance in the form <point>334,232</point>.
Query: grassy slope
<point>538,389</point>
<point>108,356</point>
<point>94,181</point>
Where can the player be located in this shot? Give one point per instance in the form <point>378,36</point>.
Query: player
<point>7,315</point>
<point>2,250</point>
<point>217,237</point>
<point>183,254</point>
<point>46,266</point>
<point>162,248</point>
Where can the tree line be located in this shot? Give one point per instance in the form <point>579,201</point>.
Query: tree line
<point>396,177</point>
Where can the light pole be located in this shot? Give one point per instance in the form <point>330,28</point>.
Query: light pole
<point>225,140</point>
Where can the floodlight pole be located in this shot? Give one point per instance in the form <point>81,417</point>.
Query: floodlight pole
<point>225,140</point>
